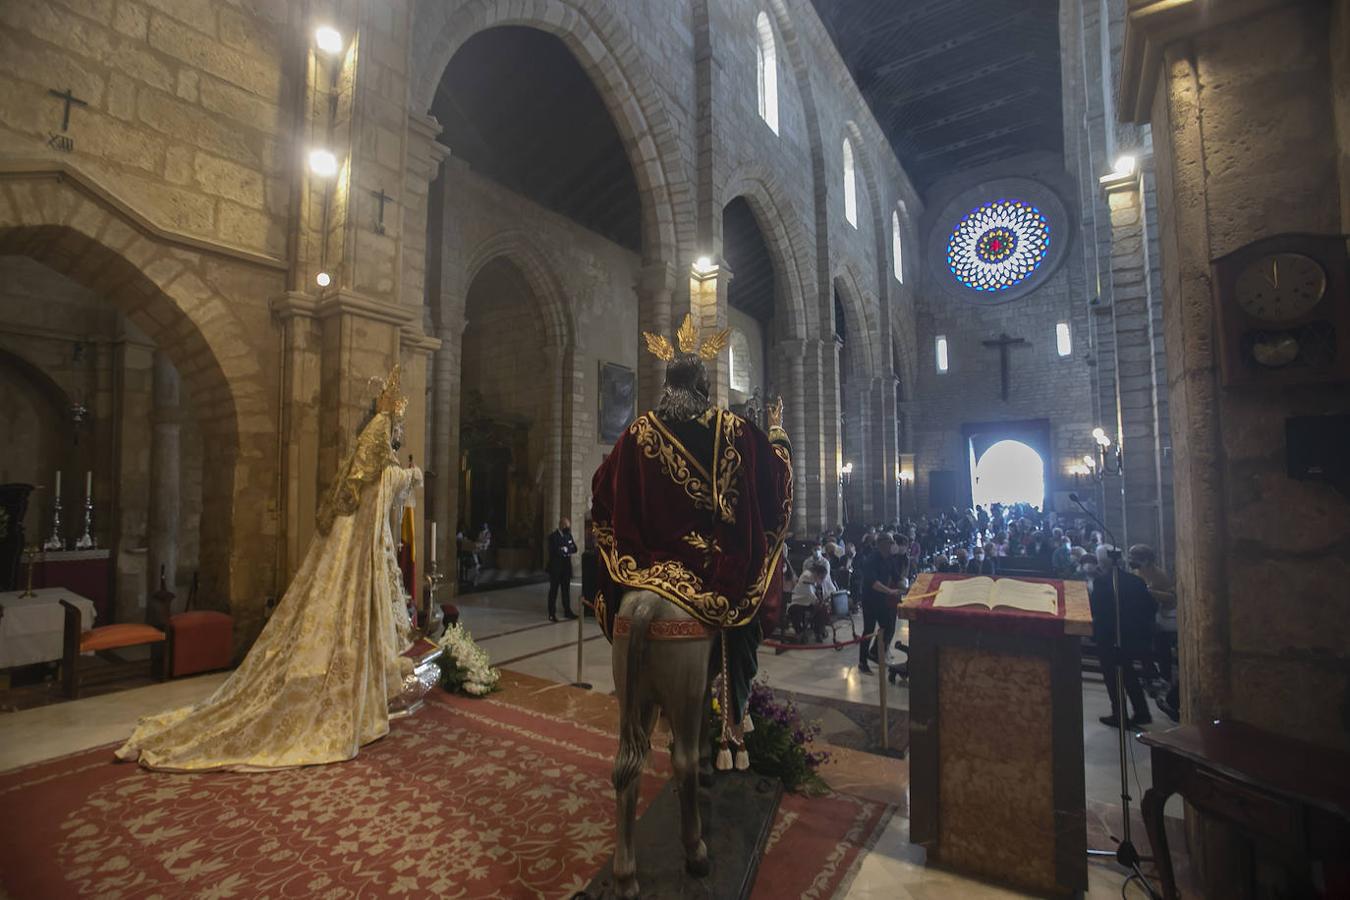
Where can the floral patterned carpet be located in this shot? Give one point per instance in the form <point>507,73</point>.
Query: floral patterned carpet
<point>469,798</point>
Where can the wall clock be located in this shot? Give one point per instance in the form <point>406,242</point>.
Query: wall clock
<point>1283,311</point>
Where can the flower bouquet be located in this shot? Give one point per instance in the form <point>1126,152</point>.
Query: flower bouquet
<point>780,742</point>
<point>465,667</point>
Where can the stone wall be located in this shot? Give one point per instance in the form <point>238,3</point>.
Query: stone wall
<point>1041,383</point>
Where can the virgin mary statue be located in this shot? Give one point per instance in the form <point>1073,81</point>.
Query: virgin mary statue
<point>316,685</point>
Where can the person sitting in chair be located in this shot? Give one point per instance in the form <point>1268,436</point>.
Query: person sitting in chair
<point>809,606</point>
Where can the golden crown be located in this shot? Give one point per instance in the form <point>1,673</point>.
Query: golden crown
<point>687,336</point>
<point>391,399</point>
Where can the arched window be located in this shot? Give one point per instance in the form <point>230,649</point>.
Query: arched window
<point>850,186</point>
<point>738,362</point>
<point>766,57</point>
<point>897,247</point>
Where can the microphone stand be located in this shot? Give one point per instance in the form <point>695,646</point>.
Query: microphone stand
<point>1125,853</point>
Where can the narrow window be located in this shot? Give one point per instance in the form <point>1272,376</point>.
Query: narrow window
<point>897,250</point>
<point>850,186</point>
<point>941,347</point>
<point>738,362</point>
<point>1063,339</point>
<point>766,56</point>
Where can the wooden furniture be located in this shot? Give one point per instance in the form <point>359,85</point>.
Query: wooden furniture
<point>996,739</point>
<point>102,639</point>
<point>1289,798</point>
<point>32,628</point>
<point>86,572</point>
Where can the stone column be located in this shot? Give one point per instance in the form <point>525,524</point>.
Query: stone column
<point>164,476</point>
<point>790,366</point>
<point>445,405</point>
<point>130,503</point>
<point>655,293</point>
<point>1136,379</point>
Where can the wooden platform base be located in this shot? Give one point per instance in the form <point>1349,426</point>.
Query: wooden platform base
<point>738,811</point>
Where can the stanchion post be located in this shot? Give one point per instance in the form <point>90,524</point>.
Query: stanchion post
<point>581,637</point>
<point>881,685</point>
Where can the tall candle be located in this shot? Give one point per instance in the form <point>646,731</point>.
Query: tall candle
<point>58,482</point>
<point>88,484</point>
<point>433,540</point>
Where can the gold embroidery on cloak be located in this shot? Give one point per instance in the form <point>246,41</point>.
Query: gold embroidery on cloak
<point>678,464</point>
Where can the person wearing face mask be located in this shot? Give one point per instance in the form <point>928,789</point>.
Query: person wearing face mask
<point>980,564</point>
<point>1061,561</point>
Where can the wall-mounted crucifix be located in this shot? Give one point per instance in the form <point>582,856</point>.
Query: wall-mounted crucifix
<point>1003,343</point>
<point>69,98</point>
<point>384,198</point>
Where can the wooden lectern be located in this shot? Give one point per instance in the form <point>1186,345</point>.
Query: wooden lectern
<point>996,738</point>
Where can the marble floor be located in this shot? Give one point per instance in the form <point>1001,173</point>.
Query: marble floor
<point>511,625</point>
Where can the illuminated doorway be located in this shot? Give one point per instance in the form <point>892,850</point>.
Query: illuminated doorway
<point>1008,472</point>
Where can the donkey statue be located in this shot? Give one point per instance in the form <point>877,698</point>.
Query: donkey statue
<point>689,510</point>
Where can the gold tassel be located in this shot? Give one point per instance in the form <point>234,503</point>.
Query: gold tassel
<point>723,759</point>
<point>742,759</point>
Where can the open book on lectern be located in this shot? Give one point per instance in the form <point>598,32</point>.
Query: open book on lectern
<point>991,593</point>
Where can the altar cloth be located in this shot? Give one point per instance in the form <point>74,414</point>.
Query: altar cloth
<point>32,628</point>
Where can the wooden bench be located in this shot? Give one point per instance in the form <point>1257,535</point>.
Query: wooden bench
<point>103,639</point>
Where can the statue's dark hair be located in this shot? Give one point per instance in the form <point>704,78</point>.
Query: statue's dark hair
<point>685,395</point>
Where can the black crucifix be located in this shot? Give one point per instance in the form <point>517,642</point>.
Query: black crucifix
<point>381,196</point>
<point>1003,343</point>
<point>69,97</point>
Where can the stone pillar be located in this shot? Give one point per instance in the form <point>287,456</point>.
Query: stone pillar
<point>708,303</point>
<point>791,382</point>
<point>1240,101</point>
<point>1136,377</point>
<point>164,476</point>
<point>655,292</point>
<point>300,479</point>
<point>445,443</point>
<point>130,503</point>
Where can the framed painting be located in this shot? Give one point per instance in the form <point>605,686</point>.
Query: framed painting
<point>618,396</point>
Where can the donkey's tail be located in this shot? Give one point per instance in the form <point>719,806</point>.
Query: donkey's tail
<point>633,738</point>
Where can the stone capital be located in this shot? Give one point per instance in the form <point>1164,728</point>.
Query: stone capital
<point>343,302</point>
<point>294,305</point>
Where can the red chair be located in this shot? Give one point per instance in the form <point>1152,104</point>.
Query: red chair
<point>199,640</point>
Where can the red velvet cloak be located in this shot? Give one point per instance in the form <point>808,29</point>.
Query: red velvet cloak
<point>708,538</point>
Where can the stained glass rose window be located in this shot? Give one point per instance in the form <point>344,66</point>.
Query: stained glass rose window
<point>998,245</point>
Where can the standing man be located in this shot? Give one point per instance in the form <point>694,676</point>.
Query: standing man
<point>881,592</point>
<point>561,549</point>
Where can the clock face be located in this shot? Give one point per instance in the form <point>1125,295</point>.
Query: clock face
<point>1280,287</point>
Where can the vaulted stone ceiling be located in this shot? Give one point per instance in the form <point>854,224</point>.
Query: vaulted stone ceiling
<point>954,83</point>
<point>515,104</point>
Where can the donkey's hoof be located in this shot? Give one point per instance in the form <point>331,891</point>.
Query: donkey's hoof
<point>626,888</point>
<point>697,863</point>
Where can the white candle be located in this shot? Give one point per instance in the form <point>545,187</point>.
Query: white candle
<point>58,482</point>
<point>88,484</point>
<point>433,541</point>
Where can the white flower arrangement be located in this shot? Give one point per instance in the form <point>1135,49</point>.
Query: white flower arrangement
<point>465,667</point>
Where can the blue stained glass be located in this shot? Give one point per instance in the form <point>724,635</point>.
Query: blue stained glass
<point>998,245</point>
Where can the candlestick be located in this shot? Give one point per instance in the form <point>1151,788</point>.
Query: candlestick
<point>86,541</point>
<point>55,541</point>
<point>31,553</point>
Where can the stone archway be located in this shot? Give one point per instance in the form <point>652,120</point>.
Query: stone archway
<point>609,56</point>
<point>178,291</point>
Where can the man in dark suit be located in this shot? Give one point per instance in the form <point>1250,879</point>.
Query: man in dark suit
<point>1137,609</point>
<point>561,549</point>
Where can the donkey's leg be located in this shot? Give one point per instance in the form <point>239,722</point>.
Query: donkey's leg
<point>686,712</point>
<point>626,797</point>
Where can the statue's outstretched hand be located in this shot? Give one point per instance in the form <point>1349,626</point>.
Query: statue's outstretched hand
<point>775,412</point>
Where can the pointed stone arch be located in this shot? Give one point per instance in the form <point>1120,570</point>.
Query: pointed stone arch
<point>609,55</point>
<point>178,291</point>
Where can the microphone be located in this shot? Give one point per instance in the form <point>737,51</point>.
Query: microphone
<point>1115,554</point>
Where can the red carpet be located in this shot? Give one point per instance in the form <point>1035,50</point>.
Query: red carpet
<point>469,798</point>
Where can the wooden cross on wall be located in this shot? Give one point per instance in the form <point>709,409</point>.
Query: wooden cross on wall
<point>1003,343</point>
<point>69,97</point>
<point>384,198</point>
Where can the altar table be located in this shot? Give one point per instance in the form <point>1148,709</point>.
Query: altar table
<point>86,572</point>
<point>32,628</point>
<point>996,738</point>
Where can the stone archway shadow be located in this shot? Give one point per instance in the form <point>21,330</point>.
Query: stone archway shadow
<point>178,291</point>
